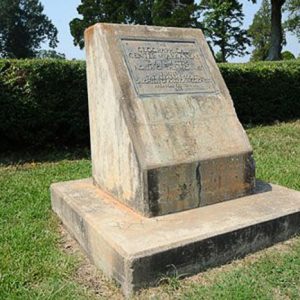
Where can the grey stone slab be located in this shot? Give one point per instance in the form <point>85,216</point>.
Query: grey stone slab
<point>136,250</point>
<point>165,136</point>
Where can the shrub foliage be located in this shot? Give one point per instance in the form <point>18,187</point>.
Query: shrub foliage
<point>44,102</point>
<point>264,92</point>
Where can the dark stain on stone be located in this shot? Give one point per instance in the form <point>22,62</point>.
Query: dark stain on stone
<point>198,180</point>
<point>153,191</point>
<point>250,171</point>
<point>184,191</point>
<point>216,250</point>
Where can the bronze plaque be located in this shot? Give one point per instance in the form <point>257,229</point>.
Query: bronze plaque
<point>167,67</point>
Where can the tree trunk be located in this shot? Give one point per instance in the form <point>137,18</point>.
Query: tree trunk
<point>223,52</point>
<point>276,30</point>
<point>223,43</point>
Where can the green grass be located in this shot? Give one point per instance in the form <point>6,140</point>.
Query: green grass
<point>277,153</point>
<point>275,275</point>
<point>33,264</point>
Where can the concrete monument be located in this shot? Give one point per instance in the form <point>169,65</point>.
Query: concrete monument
<point>164,133</point>
<point>165,142</point>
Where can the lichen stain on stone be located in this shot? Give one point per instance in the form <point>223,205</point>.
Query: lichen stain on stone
<point>153,192</point>
<point>184,191</point>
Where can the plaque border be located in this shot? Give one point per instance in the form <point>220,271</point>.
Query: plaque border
<point>164,39</point>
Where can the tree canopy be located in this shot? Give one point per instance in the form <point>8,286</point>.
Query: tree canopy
<point>287,55</point>
<point>277,28</point>
<point>222,21</point>
<point>23,28</point>
<point>260,32</point>
<point>50,54</point>
<point>175,13</point>
<point>146,12</point>
<point>293,22</point>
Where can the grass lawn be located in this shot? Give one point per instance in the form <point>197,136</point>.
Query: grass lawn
<point>36,261</point>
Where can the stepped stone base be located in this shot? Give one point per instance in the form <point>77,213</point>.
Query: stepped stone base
<point>137,251</point>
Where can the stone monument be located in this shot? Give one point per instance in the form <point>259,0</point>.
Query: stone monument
<point>167,152</point>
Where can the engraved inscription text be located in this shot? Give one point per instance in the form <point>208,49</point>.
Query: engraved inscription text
<point>167,67</point>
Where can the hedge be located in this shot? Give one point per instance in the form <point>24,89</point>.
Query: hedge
<point>44,102</point>
<point>264,92</point>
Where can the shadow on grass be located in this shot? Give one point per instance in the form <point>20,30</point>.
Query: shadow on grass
<point>262,187</point>
<point>52,154</point>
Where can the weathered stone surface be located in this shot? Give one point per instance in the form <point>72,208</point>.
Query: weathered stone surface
<point>164,133</point>
<point>136,250</point>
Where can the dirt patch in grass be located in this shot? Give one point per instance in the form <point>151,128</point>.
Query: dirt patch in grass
<point>86,273</point>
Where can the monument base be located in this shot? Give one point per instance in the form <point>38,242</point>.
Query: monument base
<point>137,251</point>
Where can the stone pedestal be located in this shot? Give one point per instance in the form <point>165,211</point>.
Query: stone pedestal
<point>166,144</point>
<point>138,251</point>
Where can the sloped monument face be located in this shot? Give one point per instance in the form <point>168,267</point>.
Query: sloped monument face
<point>164,133</point>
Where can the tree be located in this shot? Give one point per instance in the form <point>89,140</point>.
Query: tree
<point>276,30</point>
<point>146,12</point>
<point>274,52</point>
<point>293,22</point>
<point>287,55</point>
<point>23,27</point>
<point>218,57</point>
<point>260,32</point>
<point>50,54</point>
<point>222,22</point>
<point>94,11</point>
<point>175,13</point>
<point>143,12</point>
